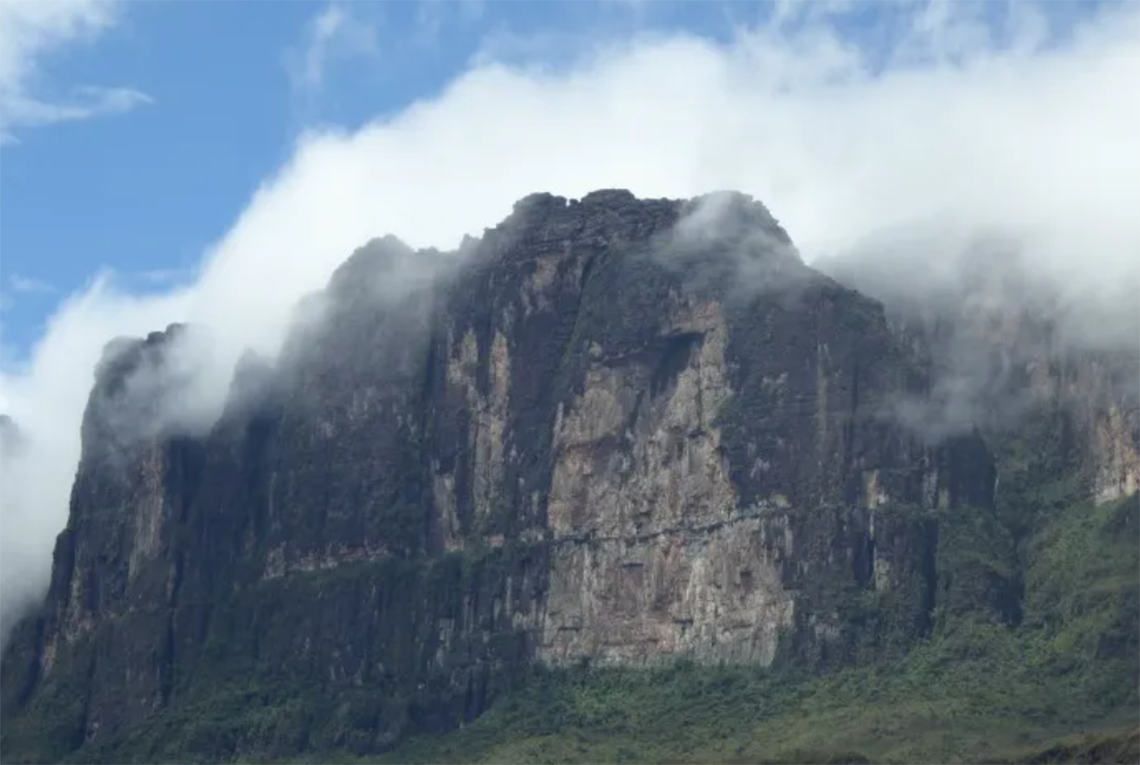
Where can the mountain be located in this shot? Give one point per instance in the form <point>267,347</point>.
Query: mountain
<point>619,475</point>
<point>12,447</point>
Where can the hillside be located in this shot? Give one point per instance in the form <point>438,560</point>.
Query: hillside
<point>621,480</point>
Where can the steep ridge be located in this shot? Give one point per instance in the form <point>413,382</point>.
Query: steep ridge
<point>600,434</point>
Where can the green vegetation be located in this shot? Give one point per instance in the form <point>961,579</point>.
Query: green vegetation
<point>1033,637</point>
<point>1060,686</point>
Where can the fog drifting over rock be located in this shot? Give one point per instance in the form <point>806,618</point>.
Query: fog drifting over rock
<point>1035,139</point>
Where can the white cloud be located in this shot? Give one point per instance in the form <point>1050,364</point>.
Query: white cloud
<point>32,30</point>
<point>332,33</point>
<point>29,285</point>
<point>1037,140</point>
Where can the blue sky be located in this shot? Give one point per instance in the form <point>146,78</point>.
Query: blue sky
<point>228,87</point>
<point>222,89</point>
<point>144,193</point>
<point>221,159</point>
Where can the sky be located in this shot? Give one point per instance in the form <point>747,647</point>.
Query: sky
<point>214,161</point>
<point>158,121</point>
<point>135,133</point>
<point>221,92</point>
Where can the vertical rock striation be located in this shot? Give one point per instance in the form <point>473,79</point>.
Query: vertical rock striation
<point>593,435</point>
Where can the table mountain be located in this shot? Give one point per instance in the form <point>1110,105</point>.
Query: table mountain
<point>611,432</point>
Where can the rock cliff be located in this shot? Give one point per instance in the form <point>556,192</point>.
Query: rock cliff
<point>599,433</point>
<point>1015,356</point>
<point>12,446</point>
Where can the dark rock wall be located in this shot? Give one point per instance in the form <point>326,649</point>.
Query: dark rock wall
<point>588,438</point>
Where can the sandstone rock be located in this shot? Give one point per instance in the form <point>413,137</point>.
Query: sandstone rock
<point>590,436</point>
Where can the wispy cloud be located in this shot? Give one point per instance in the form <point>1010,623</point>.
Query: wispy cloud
<point>334,32</point>
<point>29,286</point>
<point>25,286</point>
<point>31,31</point>
<point>432,16</point>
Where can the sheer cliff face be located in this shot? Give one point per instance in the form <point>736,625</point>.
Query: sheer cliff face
<point>12,446</point>
<point>588,438</point>
<point>1008,349</point>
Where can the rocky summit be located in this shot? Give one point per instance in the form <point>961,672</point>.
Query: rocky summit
<point>623,479</point>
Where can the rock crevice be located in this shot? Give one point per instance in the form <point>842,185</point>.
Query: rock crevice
<point>591,438</point>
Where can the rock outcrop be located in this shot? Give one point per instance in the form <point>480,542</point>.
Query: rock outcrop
<point>1013,355</point>
<point>592,435</point>
<point>12,446</point>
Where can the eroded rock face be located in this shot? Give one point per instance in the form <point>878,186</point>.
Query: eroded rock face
<point>1117,449</point>
<point>585,438</point>
<point>654,555</point>
<point>1012,356</point>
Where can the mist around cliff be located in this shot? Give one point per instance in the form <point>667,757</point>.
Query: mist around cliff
<point>945,132</point>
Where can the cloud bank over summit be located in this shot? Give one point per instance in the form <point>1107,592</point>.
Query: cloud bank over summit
<point>1032,135</point>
